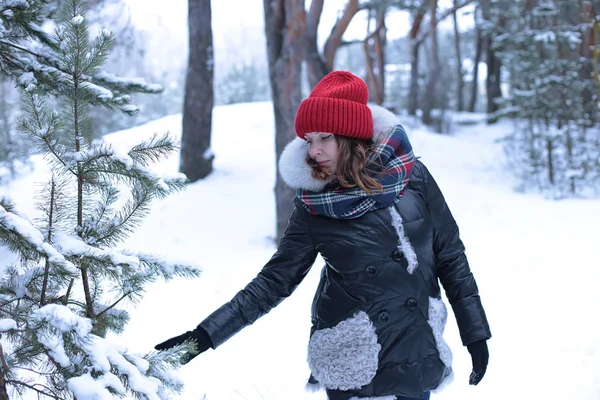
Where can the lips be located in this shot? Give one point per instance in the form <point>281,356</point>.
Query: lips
<point>322,163</point>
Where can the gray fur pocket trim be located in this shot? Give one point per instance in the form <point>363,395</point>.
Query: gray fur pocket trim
<point>346,356</point>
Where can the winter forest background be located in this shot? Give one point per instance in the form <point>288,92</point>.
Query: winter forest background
<point>506,88</point>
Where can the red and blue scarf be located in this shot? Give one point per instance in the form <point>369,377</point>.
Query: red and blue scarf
<point>391,163</point>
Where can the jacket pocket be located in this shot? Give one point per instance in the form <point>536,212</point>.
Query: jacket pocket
<point>333,303</point>
<point>317,296</point>
<point>346,355</point>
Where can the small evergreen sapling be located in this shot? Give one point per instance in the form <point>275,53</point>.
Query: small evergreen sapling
<point>63,278</point>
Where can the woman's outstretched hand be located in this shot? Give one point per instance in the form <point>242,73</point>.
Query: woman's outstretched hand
<point>198,337</point>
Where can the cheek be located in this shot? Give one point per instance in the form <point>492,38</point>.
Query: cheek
<point>333,150</point>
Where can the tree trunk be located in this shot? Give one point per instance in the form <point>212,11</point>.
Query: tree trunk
<point>3,372</point>
<point>380,43</point>
<point>431,90</point>
<point>589,50</point>
<point>196,154</point>
<point>315,65</point>
<point>549,160</point>
<point>413,95</point>
<point>475,86</point>
<point>3,390</point>
<point>459,70</point>
<point>492,80</point>
<point>285,27</point>
<point>374,48</point>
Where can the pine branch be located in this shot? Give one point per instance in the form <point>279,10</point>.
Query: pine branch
<point>121,85</point>
<point>68,294</point>
<point>49,240</point>
<point>153,149</point>
<point>20,235</point>
<point>118,228</point>
<point>165,269</point>
<point>100,51</point>
<point>47,393</point>
<point>158,186</point>
<point>20,48</point>
<point>113,304</point>
<point>43,126</point>
<point>76,248</point>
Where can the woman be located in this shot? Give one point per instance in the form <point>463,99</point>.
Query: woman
<point>380,222</point>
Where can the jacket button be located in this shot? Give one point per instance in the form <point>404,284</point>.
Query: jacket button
<point>411,303</point>
<point>384,317</point>
<point>397,255</point>
<point>371,271</point>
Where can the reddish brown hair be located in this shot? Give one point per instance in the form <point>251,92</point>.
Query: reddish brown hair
<point>352,170</point>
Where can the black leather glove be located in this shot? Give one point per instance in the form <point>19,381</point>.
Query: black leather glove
<point>480,356</point>
<point>198,336</point>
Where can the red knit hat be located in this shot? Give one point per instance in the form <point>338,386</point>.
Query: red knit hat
<point>338,105</point>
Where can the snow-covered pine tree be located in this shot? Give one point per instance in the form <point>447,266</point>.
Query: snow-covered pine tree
<point>27,51</point>
<point>64,280</point>
<point>553,95</point>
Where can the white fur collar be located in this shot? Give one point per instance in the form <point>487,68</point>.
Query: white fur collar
<point>292,164</point>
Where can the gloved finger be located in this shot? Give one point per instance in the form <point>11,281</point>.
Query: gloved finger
<point>187,357</point>
<point>172,342</point>
<point>475,378</point>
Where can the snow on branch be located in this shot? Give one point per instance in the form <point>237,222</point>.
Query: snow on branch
<point>74,246</point>
<point>59,329</point>
<point>23,228</point>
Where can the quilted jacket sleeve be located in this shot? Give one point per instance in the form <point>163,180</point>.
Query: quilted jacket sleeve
<point>277,280</point>
<point>453,267</point>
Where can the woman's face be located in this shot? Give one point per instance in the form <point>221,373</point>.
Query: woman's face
<point>323,148</point>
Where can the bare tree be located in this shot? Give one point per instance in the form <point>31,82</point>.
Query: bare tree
<point>434,69</point>
<point>285,26</point>
<point>196,155</point>
<point>374,48</point>
<point>320,65</point>
<point>315,64</point>
<point>417,37</point>
<point>460,84</point>
<point>415,44</point>
<point>492,82</point>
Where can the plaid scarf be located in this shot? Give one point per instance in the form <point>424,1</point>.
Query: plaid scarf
<point>391,162</point>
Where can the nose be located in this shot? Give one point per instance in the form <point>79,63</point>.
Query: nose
<point>314,150</point>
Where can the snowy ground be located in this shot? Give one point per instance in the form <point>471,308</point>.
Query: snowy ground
<point>535,260</point>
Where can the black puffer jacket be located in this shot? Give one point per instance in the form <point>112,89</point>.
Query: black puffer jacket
<point>377,328</point>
